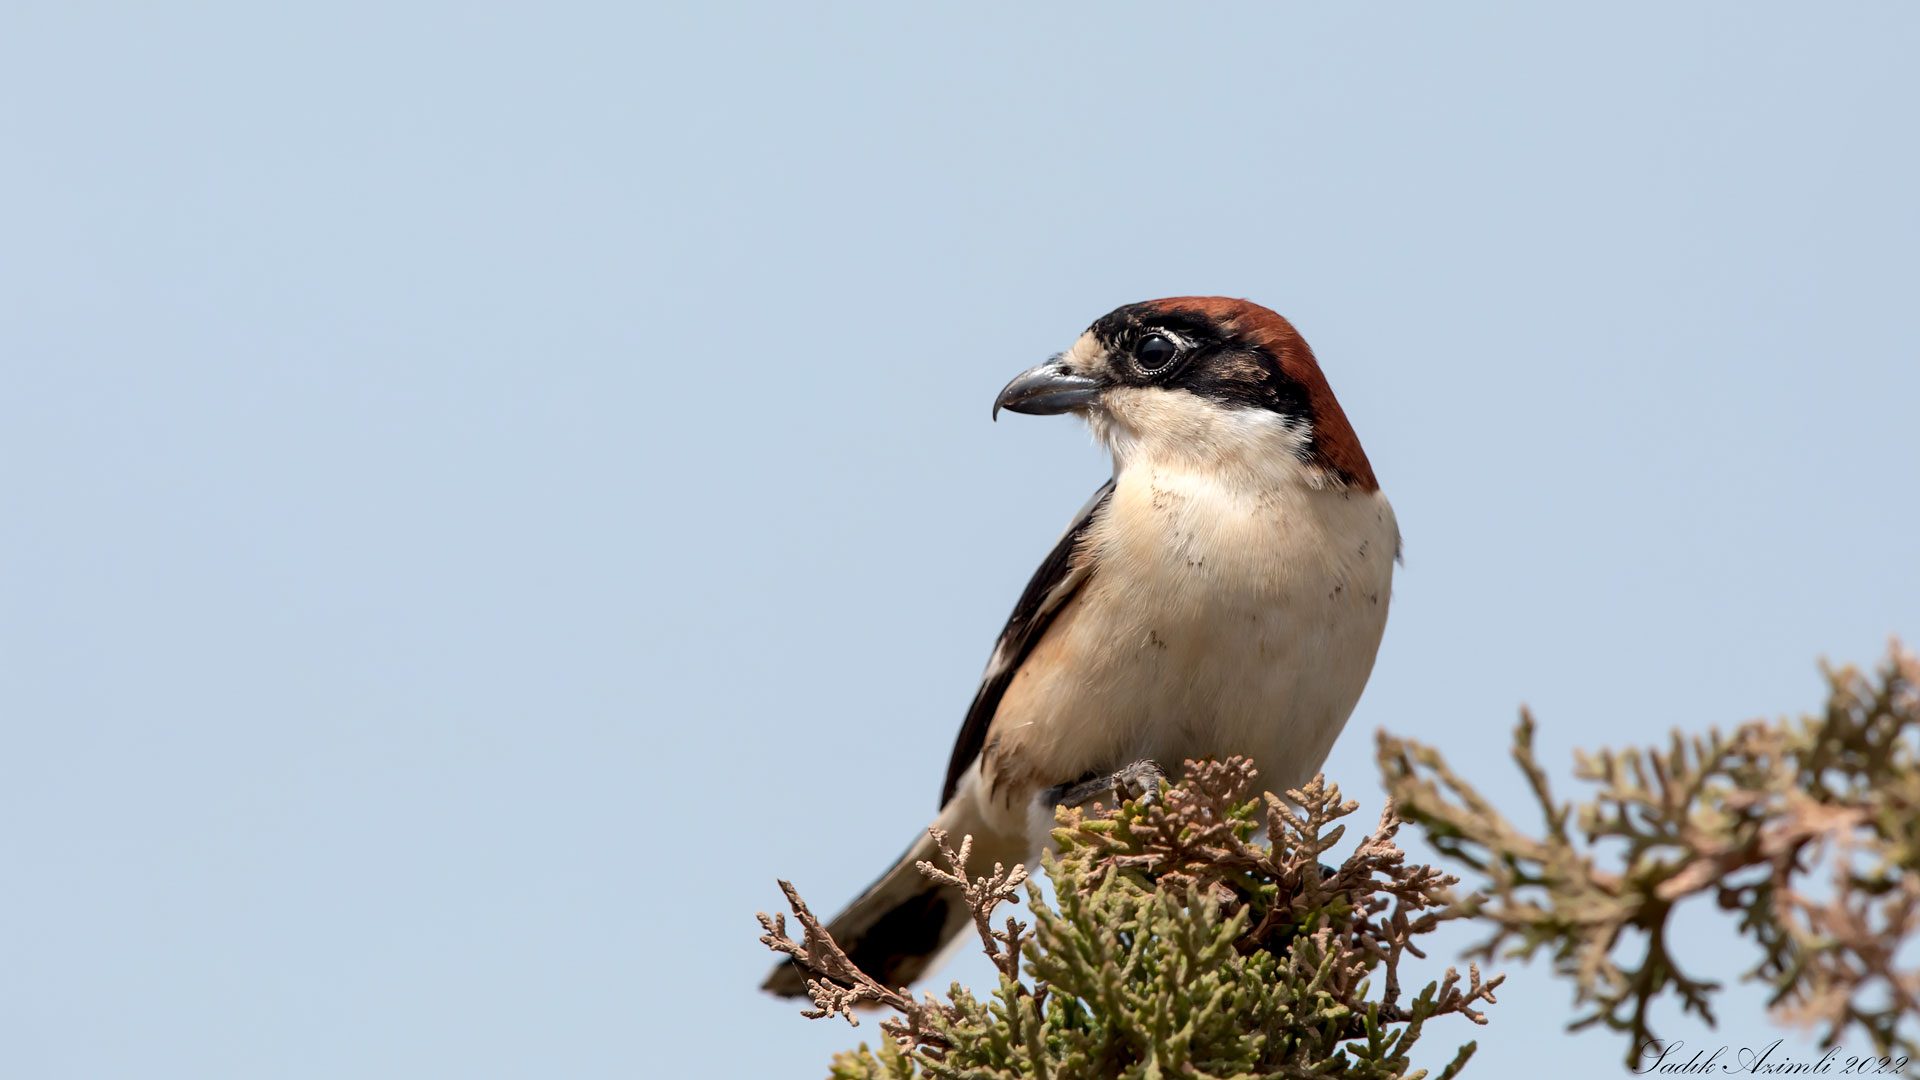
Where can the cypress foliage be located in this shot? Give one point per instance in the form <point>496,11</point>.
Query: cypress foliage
<point>1753,818</point>
<point>1196,932</point>
<point>1180,944</point>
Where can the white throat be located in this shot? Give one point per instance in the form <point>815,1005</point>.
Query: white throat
<point>1175,431</point>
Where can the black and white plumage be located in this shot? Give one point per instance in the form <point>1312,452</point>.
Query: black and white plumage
<point>1224,593</point>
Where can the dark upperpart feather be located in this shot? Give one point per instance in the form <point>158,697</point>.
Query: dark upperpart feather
<point>1060,575</point>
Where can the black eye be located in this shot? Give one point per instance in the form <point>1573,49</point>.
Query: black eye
<point>1155,352</point>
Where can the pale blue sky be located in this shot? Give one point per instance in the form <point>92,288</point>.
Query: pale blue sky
<point>488,489</point>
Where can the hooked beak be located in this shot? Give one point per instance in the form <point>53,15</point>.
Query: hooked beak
<point>1048,389</point>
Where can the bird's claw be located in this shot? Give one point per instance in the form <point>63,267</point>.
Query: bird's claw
<point>1139,782</point>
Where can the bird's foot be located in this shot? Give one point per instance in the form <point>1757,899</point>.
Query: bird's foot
<point>1139,781</point>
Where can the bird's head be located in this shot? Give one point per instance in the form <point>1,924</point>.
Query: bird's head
<point>1205,380</point>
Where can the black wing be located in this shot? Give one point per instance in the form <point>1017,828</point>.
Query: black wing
<point>1059,577</point>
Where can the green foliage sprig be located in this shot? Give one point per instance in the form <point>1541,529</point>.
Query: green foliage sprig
<point>1182,945</point>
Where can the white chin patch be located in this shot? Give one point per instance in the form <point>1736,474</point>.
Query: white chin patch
<point>1151,424</point>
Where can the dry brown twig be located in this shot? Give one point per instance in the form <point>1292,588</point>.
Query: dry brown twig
<point>983,894</point>
<point>839,986</point>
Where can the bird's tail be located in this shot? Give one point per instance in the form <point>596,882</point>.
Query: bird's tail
<point>897,928</point>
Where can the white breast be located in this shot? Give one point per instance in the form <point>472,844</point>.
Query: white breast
<point>1238,622</point>
<point>1222,617</point>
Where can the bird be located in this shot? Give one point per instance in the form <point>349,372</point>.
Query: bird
<point>1223,593</point>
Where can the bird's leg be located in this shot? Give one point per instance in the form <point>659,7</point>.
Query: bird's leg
<point>1139,781</point>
